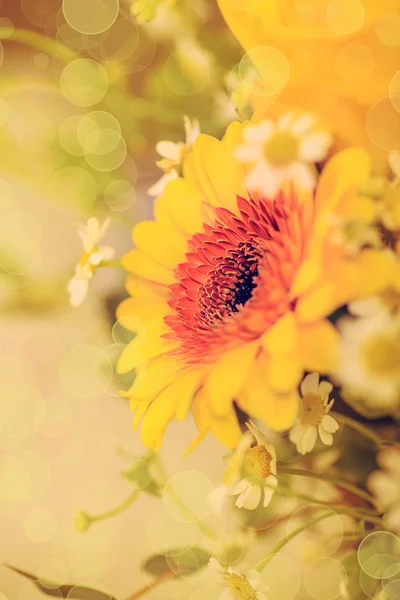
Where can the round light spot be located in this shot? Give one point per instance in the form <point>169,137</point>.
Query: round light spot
<point>41,60</point>
<point>383,125</point>
<point>3,596</point>
<point>183,76</point>
<point>15,477</point>
<point>82,373</point>
<point>144,52</point>
<point>379,554</point>
<point>108,161</point>
<point>99,133</point>
<point>75,40</point>
<point>388,29</point>
<point>273,68</point>
<point>118,43</point>
<point>355,63</point>
<point>74,189</point>
<point>394,91</point>
<point>283,578</point>
<point>229,549</point>
<point>241,6</point>
<point>40,525</point>
<point>84,82</point>
<point>328,532</point>
<point>68,135</point>
<point>391,591</point>
<point>325,580</point>
<point>120,195</point>
<point>4,112</point>
<point>345,16</point>
<point>90,16</point>
<point>22,411</point>
<point>52,572</point>
<point>58,418</point>
<point>40,12</point>
<point>122,335</point>
<point>31,128</point>
<point>7,27</point>
<point>193,488</point>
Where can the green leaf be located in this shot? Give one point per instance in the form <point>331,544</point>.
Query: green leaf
<point>181,561</point>
<point>64,591</point>
<point>140,474</point>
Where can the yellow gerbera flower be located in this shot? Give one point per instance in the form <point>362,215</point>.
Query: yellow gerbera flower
<point>335,58</point>
<point>233,292</point>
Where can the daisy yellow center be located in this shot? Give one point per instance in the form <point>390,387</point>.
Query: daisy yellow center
<point>241,587</point>
<point>282,149</point>
<point>258,461</point>
<point>381,355</point>
<point>313,410</point>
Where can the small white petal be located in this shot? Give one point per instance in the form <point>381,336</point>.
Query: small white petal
<point>169,150</point>
<point>254,578</point>
<point>248,153</point>
<point>324,389</point>
<point>215,566</point>
<point>227,595</point>
<point>314,147</point>
<point>253,497</point>
<point>309,439</point>
<point>326,438</point>
<point>309,385</point>
<point>286,120</point>
<point>268,493</point>
<point>303,124</point>
<point>238,487</point>
<point>77,289</point>
<point>302,174</point>
<point>107,252</point>
<point>259,133</point>
<point>158,188</point>
<point>95,258</point>
<point>329,424</point>
<point>264,179</point>
<point>296,432</point>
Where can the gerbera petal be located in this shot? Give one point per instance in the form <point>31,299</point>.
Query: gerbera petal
<point>167,247</point>
<point>228,377</point>
<point>319,346</point>
<point>182,202</point>
<point>212,161</point>
<point>140,264</point>
<point>329,424</point>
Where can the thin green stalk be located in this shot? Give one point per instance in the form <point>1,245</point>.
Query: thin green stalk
<point>38,41</point>
<point>185,510</point>
<point>363,430</point>
<point>110,263</point>
<point>118,509</point>
<point>336,510</point>
<point>350,487</point>
<point>312,500</point>
<point>263,563</point>
<point>147,588</point>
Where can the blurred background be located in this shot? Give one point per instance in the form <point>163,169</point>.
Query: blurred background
<point>87,88</point>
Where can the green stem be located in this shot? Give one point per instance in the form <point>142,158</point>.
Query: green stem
<point>354,489</point>
<point>263,563</point>
<point>110,263</point>
<point>38,41</point>
<point>160,579</point>
<point>336,510</point>
<point>312,500</point>
<point>185,510</point>
<point>118,509</point>
<point>359,427</point>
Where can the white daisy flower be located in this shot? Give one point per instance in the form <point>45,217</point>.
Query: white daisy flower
<point>258,473</point>
<point>314,419</point>
<point>283,151</point>
<point>92,256</point>
<point>369,368</point>
<point>385,485</point>
<point>173,154</point>
<point>237,586</point>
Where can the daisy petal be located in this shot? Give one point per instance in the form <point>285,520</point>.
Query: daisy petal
<point>314,147</point>
<point>309,385</point>
<point>329,424</point>
<point>326,438</point>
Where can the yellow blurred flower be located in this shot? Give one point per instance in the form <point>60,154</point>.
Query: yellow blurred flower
<point>385,485</point>
<point>334,58</point>
<point>235,292</point>
<point>92,256</point>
